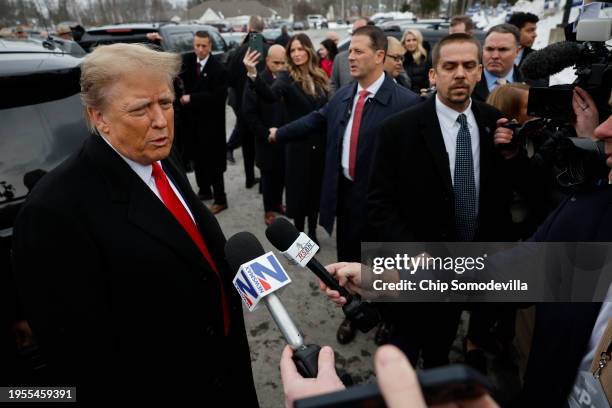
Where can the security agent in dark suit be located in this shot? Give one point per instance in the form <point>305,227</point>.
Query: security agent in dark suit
<point>205,92</point>
<point>436,177</point>
<point>261,116</point>
<point>237,80</point>
<point>119,266</point>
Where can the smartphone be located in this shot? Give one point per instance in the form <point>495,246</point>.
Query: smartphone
<point>439,386</point>
<point>551,103</point>
<point>256,42</point>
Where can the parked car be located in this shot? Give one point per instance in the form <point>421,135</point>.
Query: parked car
<point>41,124</point>
<point>118,33</point>
<point>300,25</point>
<point>179,38</point>
<point>270,35</point>
<point>431,36</point>
<point>316,21</point>
<point>233,40</point>
<point>175,37</point>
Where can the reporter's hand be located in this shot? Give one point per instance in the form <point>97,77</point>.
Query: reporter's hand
<point>297,387</point>
<point>587,117</point>
<point>272,136</point>
<point>250,61</point>
<point>502,137</point>
<point>400,387</point>
<point>348,276</point>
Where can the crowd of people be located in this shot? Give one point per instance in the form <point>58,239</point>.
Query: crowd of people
<point>389,141</point>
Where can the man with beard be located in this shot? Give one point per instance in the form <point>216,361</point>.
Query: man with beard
<point>437,177</point>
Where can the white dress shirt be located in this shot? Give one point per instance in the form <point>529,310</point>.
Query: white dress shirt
<point>450,128</point>
<point>346,140</point>
<point>146,175</point>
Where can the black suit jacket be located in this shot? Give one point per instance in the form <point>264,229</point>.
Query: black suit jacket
<point>481,91</point>
<point>411,194</point>
<point>119,298</point>
<point>237,71</point>
<point>205,113</point>
<point>261,116</point>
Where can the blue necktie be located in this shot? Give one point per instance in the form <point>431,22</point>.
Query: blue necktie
<point>464,185</point>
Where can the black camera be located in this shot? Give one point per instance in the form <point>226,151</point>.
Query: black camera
<point>576,162</point>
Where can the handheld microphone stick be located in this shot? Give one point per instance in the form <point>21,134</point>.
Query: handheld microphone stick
<point>299,249</point>
<point>258,275</point>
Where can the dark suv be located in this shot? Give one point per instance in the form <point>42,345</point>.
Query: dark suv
<point>41,123</point>
<point>175,37</point>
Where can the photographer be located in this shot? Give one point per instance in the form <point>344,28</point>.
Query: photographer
<point>547,163</point>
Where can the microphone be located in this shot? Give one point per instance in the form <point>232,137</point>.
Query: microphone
<point>552,59</point>
<point>299,250</point>
<point>258,276</point>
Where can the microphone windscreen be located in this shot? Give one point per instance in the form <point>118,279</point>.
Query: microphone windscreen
<point>550,60</point>
<point>281,233</point>
<point>241,248</point>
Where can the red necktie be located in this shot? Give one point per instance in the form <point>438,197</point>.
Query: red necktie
<point>355,131</point>
<point>179,212</point>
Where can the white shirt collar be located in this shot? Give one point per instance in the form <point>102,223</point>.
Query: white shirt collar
<point>145,172</point>
<point>449,114</point>
<point>374,87</point>
<point>519,57</point>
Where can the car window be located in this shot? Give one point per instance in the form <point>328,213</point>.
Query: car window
<point>219,43</point>
<point>182,41</point>
<point>36,138</point>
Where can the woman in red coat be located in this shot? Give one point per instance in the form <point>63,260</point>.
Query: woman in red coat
<point>327,53</point>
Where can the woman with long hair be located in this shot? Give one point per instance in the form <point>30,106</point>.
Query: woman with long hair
<point>327,53</point>
<point>511,100</point>
<point>417,62</point>
<point>303,88</point>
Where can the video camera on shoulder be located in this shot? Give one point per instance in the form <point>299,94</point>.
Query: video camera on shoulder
<point>577,162</point>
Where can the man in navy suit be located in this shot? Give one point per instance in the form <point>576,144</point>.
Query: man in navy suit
<point>352,119</point>
<point>352,124</point>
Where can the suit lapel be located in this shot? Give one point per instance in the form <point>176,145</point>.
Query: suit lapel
<point>346,111</point>
<point>435,142</point>
<point>144,209</point>
<point>482,90</point>
<point>149,213</point>
<point>486,145</point>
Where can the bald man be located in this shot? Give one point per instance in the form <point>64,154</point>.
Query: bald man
<point>394,62</point>
<point>261,116</point>
<point>276,59</point>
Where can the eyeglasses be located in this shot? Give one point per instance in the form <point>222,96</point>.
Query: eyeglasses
<point>396,58</point>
